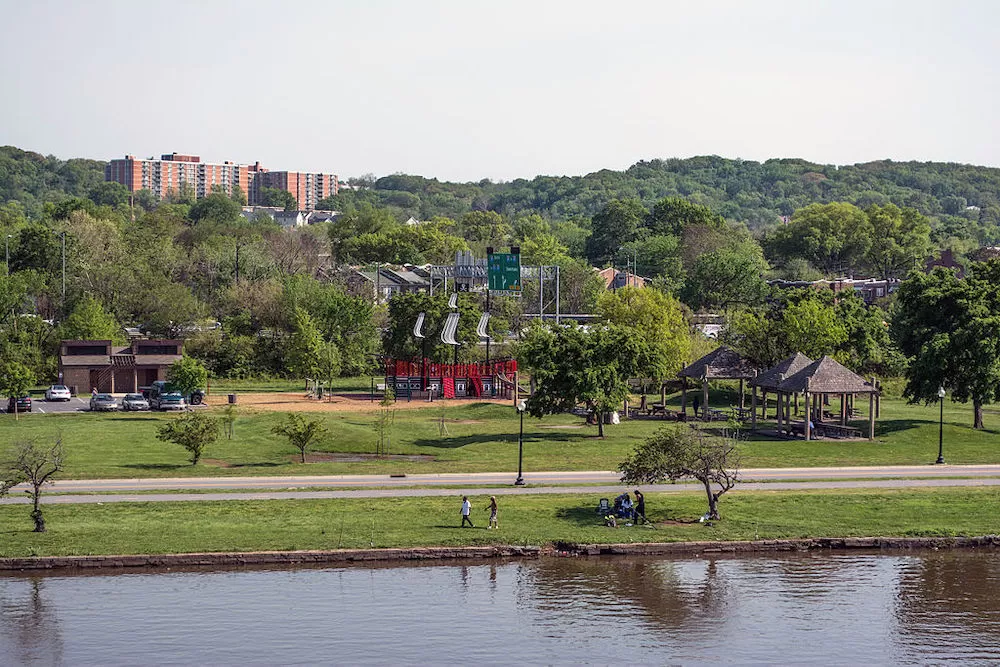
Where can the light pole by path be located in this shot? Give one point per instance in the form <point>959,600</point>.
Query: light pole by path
<point>940,458</point>
<point>521,405</point>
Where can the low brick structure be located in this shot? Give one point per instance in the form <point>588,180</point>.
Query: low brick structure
<point>100,364</point>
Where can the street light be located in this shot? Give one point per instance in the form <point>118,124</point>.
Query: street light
<point>521,405</point>
<point>940,458</point>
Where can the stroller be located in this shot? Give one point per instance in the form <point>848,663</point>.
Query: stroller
<point>623,507</point>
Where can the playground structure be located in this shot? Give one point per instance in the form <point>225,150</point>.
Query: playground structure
<point>428,379</point>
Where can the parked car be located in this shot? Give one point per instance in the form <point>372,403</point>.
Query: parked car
<point>134,402</point>
<point>57,392</point>
<point>171,400</point>
<point>196,397</point>
<point>103,403</point>
<point>23,404</point>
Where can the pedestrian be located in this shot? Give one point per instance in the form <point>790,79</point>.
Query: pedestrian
<point>640,507</point>
<point>694,404</point>
<point>93,392</point>
<point>466,510</point>
<point>494,522</point>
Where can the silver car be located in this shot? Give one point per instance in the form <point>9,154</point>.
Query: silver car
<point>134,402</point>
<point>103,403</point>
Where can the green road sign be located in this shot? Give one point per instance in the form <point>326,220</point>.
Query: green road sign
<point>503,274</point>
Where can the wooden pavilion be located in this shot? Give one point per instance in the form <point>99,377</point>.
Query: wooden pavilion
<point>769,381</point>
<point>722,363</point>
<point>817,382</point>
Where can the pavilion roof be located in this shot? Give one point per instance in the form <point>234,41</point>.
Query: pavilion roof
<point>826,376</point>
<point>722,363</point>
<point>774,376</point>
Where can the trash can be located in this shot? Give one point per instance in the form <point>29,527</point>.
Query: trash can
<point>232,399</point>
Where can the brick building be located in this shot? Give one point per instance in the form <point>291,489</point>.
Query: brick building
<point>100,364</point>
<point>175,171</point>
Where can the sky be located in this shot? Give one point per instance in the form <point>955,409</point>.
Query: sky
<point>467,90</point>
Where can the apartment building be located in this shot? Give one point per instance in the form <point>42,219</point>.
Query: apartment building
<point>174,172</point>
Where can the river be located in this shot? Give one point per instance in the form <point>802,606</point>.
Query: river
<point>829,608</point>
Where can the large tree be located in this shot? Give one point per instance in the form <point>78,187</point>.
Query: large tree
<point>616,224</point>
<point>90,321</point>
<point>686,451</point>
<point>187,375</point>
<point>671,215</point>
<point>658,319</point>
<point>832,237</point>
<point>571,365</point>
<point>899,240</point>
<point>950,329</point>
<point>729,276</point>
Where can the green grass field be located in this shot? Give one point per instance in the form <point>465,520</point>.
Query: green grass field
<point>133,528</point>
<point>474,438</point>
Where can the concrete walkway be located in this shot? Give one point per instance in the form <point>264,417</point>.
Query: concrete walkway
<point>598,483</point>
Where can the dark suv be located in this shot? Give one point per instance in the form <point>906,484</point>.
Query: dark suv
<point>23,404</point>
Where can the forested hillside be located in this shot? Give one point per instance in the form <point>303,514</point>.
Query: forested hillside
<point>33,179</point>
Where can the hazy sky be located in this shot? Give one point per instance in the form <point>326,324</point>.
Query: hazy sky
<point>469,89</point>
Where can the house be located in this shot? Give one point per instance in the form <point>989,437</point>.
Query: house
<point>102,365</point>
<point>291,219</point>
<point>868,289</point>
<point>388,282</point>
<point>947,260</point>
<point>613,278</point>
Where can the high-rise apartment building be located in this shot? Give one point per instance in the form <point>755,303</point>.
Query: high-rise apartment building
<point>174,172</point>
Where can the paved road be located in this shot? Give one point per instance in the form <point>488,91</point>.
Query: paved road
<point>596,482</point>
<point>596,491</point>
<point>499,478</point>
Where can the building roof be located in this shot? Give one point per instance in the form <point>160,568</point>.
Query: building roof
<point>772,377</point>
<point>85,360</point>
<point>722,363</point>
<point>156,359</point>
<point>825,376</point>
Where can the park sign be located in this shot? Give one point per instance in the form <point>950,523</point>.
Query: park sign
<point>503,273</point>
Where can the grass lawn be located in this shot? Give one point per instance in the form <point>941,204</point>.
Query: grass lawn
<point>132,528</point>
<point>473,438</point>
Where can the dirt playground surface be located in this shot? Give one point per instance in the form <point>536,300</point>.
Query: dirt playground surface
<point>298,402</point>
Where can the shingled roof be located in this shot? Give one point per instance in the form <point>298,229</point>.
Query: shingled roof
<point>772,377</point>
<point>826,376</point>
<point>722,363</point>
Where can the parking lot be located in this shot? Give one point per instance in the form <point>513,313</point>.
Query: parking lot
<point>75,404</point>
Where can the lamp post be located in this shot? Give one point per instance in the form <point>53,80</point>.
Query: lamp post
<point>521,405</point>
<point>940,458</point>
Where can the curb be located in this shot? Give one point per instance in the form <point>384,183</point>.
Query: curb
<point>236,559</point>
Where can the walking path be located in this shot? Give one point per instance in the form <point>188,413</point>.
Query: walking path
<point>599,483</point>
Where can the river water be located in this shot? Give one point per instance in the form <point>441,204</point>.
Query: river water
<point>841,609</point>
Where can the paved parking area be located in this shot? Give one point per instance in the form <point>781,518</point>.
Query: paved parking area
<point>75,404</point>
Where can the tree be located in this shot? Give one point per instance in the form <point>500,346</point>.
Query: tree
<point>949,328</point>
<point>277,197</point>
<point>671,215</point>
<point>34,464</point>
<point>187,375</point>
<point>658,320</point>
<point>728,276</point>
<point>900,240</point>
<point>686,451</point>
<point>216,207</point>
<point>90,321</point>
<point>329,362</point>
<point>305,348</point>
<point>301,433</point>
<point>193,431</point>
<point>15,380</point>
<point>833,237</point>
<point>616,224</point>
<point>812,328</point>
<point>571,365</point>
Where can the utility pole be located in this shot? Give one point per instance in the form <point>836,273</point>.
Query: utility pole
<point>64,268</point>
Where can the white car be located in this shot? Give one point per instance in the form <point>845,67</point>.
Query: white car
<point>57,392</point>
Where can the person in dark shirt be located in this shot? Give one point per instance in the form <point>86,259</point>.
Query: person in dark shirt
<point>640,507</point>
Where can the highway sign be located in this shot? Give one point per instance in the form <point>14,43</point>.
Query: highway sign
<point>503,273</point>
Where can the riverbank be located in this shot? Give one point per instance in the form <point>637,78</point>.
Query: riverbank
<point>240,527</point>
<point>349,556</point>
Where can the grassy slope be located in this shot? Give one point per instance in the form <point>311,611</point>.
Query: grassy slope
<point>534,520</point>
<point>124,445</point>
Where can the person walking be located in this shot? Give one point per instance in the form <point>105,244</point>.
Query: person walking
<point>640,507</point>
<point>466,511</point>
<point>694,404</point>
<point>494,522</point>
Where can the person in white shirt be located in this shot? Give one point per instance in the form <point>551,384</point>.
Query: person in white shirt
<point>466,510</point>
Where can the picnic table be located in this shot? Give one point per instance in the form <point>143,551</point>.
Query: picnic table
<point>826,430</point>
<point>741,414</point>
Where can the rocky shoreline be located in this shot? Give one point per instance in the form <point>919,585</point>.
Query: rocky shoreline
<point>346,556</point>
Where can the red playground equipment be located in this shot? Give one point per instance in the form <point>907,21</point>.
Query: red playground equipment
<point>493,379</point>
